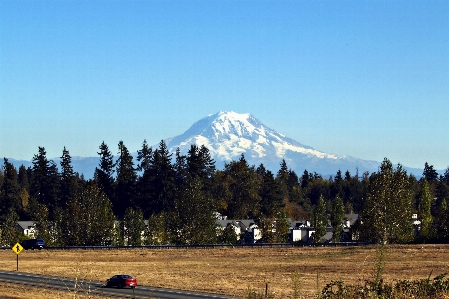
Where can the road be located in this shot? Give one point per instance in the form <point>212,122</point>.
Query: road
<point>97,288</point>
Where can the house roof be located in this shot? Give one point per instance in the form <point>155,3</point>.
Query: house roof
<point>25,224</point>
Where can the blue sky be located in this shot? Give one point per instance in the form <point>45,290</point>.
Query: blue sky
<point>368,79</point>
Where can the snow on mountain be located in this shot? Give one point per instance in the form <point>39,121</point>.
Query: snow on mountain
<point>227,135</point>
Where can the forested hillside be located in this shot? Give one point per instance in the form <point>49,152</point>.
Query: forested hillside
<point>181,197</point>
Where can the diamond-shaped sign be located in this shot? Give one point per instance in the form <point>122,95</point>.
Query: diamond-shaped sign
<point>17,248</point>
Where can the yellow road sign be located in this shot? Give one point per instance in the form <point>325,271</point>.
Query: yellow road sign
<point>17,248</point>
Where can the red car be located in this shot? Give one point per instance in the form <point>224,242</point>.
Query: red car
<point>121,281</point>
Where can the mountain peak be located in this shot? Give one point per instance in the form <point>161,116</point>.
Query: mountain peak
<point>228,134</point>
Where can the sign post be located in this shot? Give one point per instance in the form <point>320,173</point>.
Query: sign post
<point>17,249</point>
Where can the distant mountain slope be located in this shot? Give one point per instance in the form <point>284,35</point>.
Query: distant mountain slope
<point>227,135</point>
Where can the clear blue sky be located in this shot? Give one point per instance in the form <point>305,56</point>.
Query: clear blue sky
<point>368,79</point>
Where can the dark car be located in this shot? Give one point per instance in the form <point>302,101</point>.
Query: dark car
<point>121,281</point>
<point>33,244</point>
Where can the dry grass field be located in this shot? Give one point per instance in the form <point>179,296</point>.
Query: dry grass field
<point>232,271</point>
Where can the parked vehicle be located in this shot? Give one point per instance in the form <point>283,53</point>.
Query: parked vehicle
<point>33,244</point>
<point>121,281</point>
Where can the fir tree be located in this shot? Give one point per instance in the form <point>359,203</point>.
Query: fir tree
<point>9,191</point>
<point>242,183</point>
<point>104,175</point>
<point>45,181</point>
<point>125,192</point>
<point>160,180</point>
<point>68,179</point>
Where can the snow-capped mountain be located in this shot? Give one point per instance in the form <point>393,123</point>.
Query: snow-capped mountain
<point>227,135</point>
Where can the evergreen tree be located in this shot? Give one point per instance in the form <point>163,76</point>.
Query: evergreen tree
<point>144,157</point>
<point>338,213</point>
<point>387,212</point>
<point>271,200</point>
<point>144,190</point>
<point>429,173</point>
<point>68,178</point>
<point>160,177</point>
<point>45,181</point>
<point>200,163</point>
<point>23,179</point>
<point>337,186</point>
<point>424,212</point>
<point>180,167</point>
<point>244,200</point>
<point>445,177</point>
<point>305,179</point>
<point>105,174</point>
<point>134,226</point>
<point>9,191</point>
<point>125,192</point>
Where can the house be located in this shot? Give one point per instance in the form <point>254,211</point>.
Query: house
<point>301,231</point>
<point>245,229</point>
<point>28,228</point>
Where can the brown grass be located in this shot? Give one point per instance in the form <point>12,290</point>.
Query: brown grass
<point>14,291</point>
<point>233,271</point>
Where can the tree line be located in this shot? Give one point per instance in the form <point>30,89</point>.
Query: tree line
<point>179,198</point>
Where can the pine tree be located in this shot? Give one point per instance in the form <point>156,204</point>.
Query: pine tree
<point>144,190</point>
<point>200,163</point>
<point>45,181</point>
<point>271,197</point>
<point>125,191</point>
<point>105,174</point>
<point>242,183</point>
<point>160,179</point>
<point>144,157</point>
<point>9,191</point>
<point>69,186</point>
<point>429,173</point>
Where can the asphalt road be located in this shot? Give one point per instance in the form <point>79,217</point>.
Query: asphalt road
<point>97,288</point>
